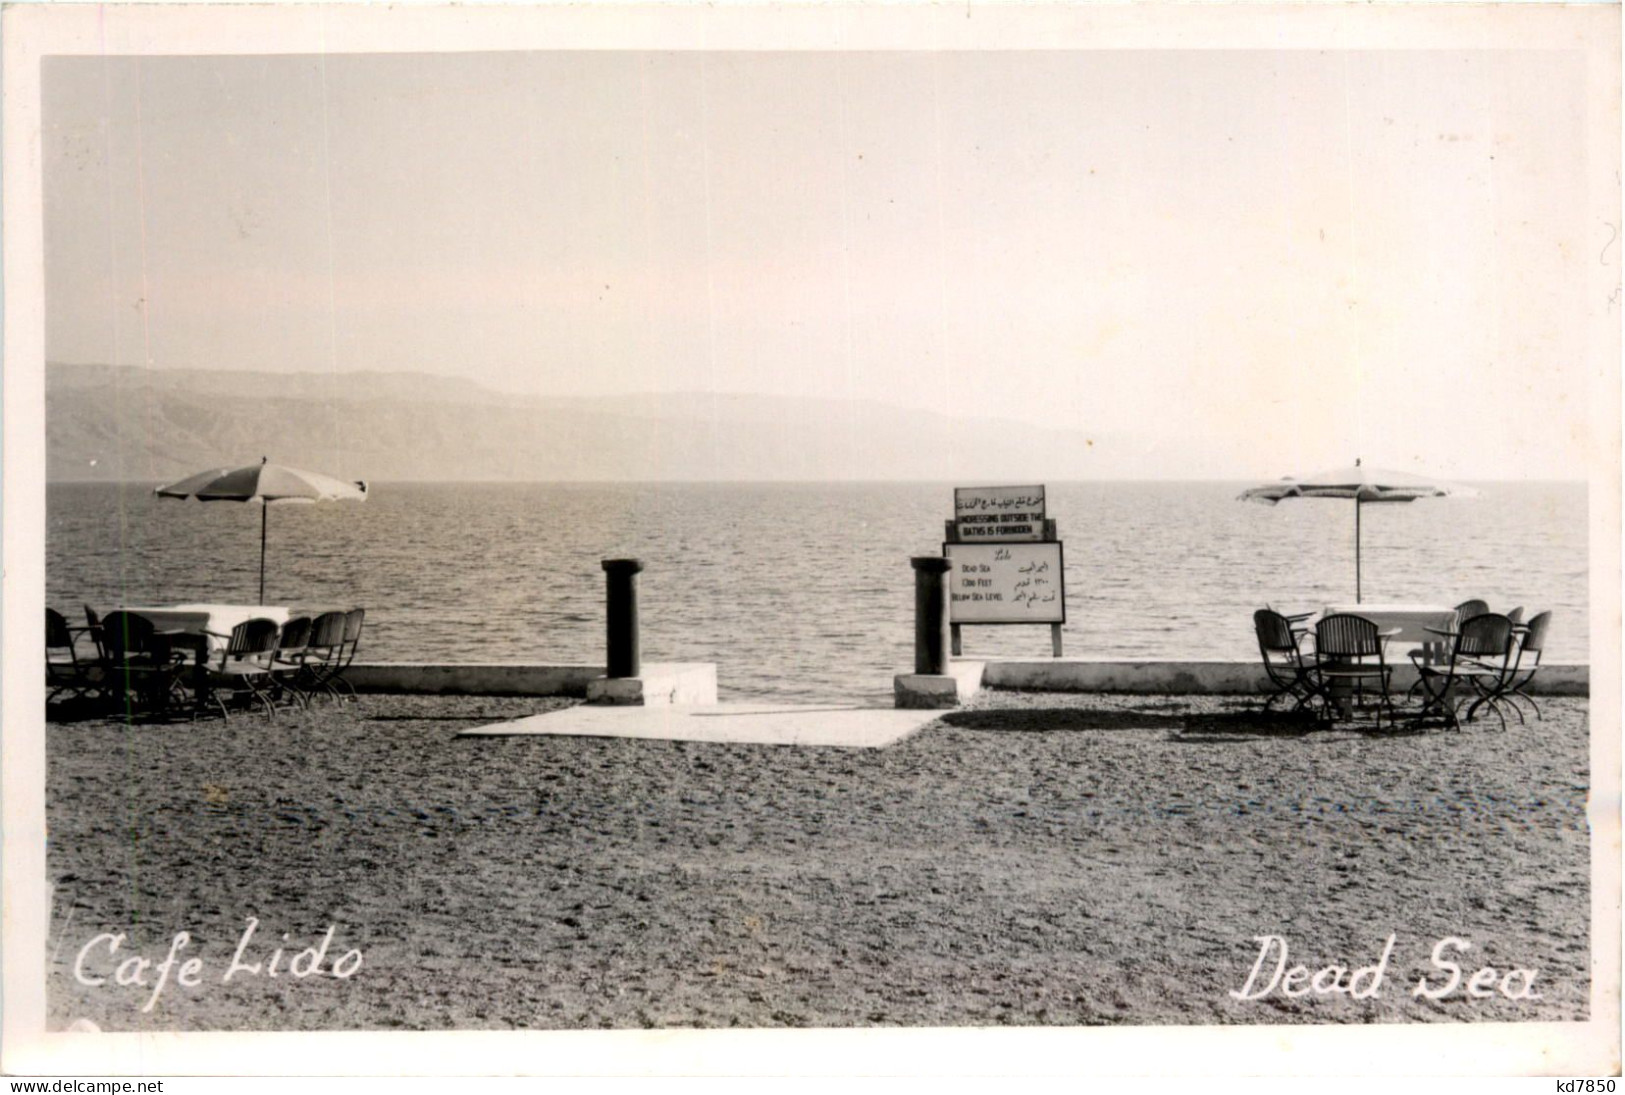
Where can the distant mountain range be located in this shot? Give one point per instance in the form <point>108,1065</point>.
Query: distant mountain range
<point>129,423</point>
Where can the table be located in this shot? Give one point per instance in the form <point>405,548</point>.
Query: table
<point>204,630</point>
<point>1406,623</point>
<point>1409,622</point>
<point>195,619</point>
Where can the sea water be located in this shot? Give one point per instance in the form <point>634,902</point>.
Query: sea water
<point>804,591</point>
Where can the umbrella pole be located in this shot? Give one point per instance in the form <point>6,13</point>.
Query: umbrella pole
<point>1357,597</point>
<point>263,508</point>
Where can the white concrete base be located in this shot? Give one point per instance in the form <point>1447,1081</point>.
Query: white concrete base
<point>927,691</point>
<point>663,683</point>
<point>733,724</point>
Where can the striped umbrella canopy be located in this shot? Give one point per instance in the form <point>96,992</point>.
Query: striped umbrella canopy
<point>1362,484</point>
<point>267,484</point>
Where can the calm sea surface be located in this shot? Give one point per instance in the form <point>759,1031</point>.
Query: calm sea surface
<point>804,591</point>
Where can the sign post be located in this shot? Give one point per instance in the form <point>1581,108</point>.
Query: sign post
<point>1005,562</point>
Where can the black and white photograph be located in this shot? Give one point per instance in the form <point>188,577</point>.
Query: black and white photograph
<point>817,523</point>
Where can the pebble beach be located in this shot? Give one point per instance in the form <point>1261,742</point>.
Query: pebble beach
<point>1031,859</point>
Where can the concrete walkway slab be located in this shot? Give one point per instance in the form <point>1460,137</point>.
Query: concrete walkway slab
<point>729,723</point>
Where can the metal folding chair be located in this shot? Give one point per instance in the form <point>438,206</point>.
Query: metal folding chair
<point>1350,655</point>
<point>1280,647</point>
<point>139,667</point>
<point>243,668</point>
<point>323,651</point>
<point>1531,640</point>
<point>353,621</point>
<point>67,672</point>
<point>1481,656</point>
<point>287,660</point>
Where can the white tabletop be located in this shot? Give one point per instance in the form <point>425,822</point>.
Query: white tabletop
<point>1411,621</point>
<point>200,618</point>
<point>1367,607</point>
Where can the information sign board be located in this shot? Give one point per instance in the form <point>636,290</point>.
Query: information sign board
<point>999,513</point>
<point>1005,583</point>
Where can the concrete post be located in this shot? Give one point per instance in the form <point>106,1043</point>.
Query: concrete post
<point>931,642</point>
<point>624,656</point>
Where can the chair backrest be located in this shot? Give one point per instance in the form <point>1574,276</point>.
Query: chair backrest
<point>125,633</point>
<point>295,634</point>
<point>1468,609</point>
<point>94,622</point>
<point>353,620</point>
<point>1516,615</point>
<point>57,635</point>
<point>1535,638</point>
<point>327,629</point>
<point>1487,635</point>
<point>1344,635</point>
<point>256,636</point>
<point>1274,632</point>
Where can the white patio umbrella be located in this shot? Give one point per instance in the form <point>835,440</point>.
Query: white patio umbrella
<point>268,484</point>
<point>1364,485</point>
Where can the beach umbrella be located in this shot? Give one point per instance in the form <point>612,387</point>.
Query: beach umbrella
<point>267,484</point>
<point>1364,485</point>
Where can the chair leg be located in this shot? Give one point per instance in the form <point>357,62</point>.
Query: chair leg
<point>286,684</point>
<point>1533,706</point>
<point>180,700</point>
<point>214,698</point>
<point>313,683</point>
<point>1487,694</point>
<point>312,677</point>
<point>1435,702</point>
<point>258,695</point>
<point>1331,709</point>
<point>279,686</point>
<point>1517,692</point>
<point>1275,687</point>
<point>1386,705</point>
<point>1499,701</point>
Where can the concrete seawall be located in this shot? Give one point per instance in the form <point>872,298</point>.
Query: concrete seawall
<point>656,683</point>
<point>507,679</point>
<point>1207,677</point>
<point>1040,675</point>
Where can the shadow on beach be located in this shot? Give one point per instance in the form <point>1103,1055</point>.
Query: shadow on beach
<point>1200,729</point>
<point>1178,725</point>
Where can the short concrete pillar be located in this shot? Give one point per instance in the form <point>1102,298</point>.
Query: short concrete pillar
<point>624,657</point>
<point>930,614</point>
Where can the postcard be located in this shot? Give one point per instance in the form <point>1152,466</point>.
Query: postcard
<point>818,539</point>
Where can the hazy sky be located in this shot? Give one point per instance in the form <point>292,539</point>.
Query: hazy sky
<point>1272,260</point>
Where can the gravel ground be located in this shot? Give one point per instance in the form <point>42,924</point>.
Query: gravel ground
<point>1033,859</point>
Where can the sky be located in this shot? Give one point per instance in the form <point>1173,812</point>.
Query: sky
<point>1268,262</point>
